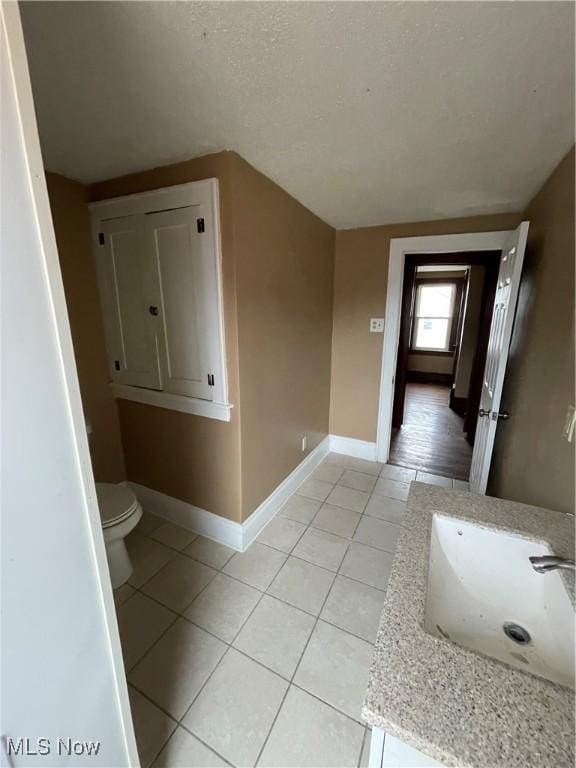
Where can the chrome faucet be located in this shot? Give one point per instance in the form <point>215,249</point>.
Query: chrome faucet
<point>551,563</point>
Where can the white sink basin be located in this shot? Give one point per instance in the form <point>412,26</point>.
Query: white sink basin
<point>480,580</point>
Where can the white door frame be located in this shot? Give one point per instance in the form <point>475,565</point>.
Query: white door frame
<point>399,247</point>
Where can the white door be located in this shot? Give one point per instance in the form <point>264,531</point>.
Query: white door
<point>497,356</point>
<point>62,671</point>
<point>126,273</point>
<point>179,258</point>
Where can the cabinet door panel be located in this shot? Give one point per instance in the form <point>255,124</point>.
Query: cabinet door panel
<point>128,292</point>
<point>182,298</point>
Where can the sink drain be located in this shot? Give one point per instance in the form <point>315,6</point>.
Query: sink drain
<point>516,633</point>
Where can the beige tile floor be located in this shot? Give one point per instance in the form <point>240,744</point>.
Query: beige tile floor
<point>262,658</point>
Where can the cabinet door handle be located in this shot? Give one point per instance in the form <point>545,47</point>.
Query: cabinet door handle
<point>482,412</point>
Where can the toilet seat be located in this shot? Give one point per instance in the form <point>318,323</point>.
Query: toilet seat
<point>120,513</point>
<point>116,503</point>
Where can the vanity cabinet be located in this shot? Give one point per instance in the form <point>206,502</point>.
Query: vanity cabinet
<point>389,752</point>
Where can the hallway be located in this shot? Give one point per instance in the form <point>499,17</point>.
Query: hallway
<point>431,438</point>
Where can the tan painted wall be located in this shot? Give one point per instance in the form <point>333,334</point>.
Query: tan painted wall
<point>278,272</point>
<point>72,227</point>
<point>189,457</point>
<point>532,462</point>
<point>285,264</point>
<point>361,271</point>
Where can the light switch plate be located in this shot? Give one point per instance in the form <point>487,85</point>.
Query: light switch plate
<point>377,325</point>
<point>568,431</point>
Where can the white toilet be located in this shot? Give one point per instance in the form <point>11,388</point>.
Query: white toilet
<point>120,512</point>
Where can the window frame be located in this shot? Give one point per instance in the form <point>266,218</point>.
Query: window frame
<point>453,320</point>
<point>204,193</point>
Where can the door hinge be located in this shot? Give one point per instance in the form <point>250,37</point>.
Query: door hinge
<point>101,238</point>
<point>200,225</point>
<point>210,379</point>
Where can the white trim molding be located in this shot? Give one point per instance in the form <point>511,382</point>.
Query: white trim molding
<point>399,247</point>
<point>190,517</point>
<point>350,446</point>
<point>238,536</point>
<point>280,495</point>
<point>208,408</point>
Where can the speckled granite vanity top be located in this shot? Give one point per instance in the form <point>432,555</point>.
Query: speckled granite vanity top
<point>457,706</point>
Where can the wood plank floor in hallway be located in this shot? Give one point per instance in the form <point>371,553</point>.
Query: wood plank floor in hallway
<point>431,438</point>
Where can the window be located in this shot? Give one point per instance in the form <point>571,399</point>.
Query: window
<point>158,262</point>
<point>433,316</point>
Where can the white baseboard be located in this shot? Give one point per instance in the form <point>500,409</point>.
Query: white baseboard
<point>349,446</point>
<point>239,536</point>
<point>190,517</point>
<point>266,511</point>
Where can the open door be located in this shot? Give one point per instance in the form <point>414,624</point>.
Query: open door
<point>63,680</point>
<point>497,356</point>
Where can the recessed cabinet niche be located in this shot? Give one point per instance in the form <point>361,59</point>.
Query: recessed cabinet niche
<point>158,261</point>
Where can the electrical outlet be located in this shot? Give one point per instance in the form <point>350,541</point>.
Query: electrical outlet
<point>376,325</point>
<point>570,422</point>
<point>304,443</point>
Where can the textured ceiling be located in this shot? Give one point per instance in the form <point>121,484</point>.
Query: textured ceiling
<point>366,112</point>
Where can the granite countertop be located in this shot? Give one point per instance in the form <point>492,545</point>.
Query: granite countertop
<point>457,706</point>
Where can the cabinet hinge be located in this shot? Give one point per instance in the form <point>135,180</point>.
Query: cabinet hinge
<point>200,225</point>
<point>210,379</point>
<point>101,238</point>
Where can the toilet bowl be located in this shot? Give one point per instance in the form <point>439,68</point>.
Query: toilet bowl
<point>120,512</point>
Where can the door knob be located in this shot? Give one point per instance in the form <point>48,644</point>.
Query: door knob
<point>482,412</point>
<point>153,310</point>
<point>501,415</point>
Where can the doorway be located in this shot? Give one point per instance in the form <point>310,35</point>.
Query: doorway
<point>507,248</point>
<point>444,330</point>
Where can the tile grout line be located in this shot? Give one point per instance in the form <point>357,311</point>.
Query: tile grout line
<point>174,620</point>
<point>181,614</point>
<point>367,730</point>
<point>348,540</point>
<point>229,646</point>
<point>177,724</point>
<point>177,614</point>
<point>288,681</point>
<point>292,683</point>
<point>317,618</point>
<point>179,721</point>
<point>172,732</point>
<point>293,675</point>
<point>335,709</point>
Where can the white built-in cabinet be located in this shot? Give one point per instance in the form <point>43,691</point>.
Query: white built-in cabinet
<point>158,261</point>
